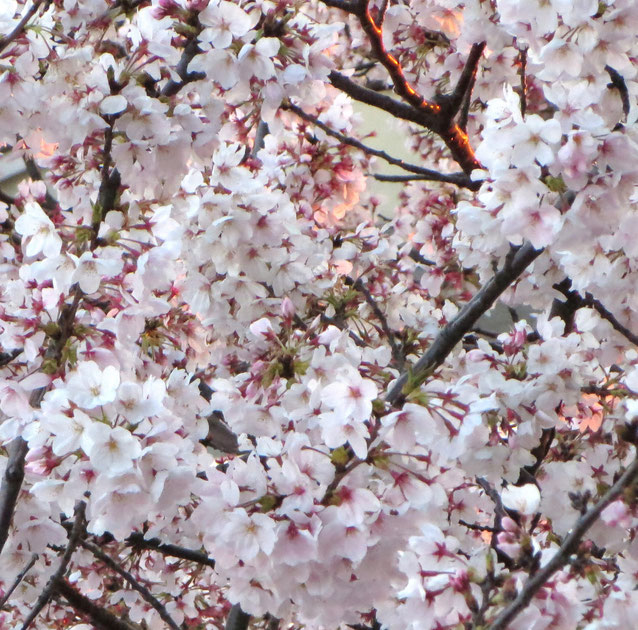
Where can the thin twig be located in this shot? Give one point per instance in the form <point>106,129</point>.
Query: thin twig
<point>51,585</point>
<point>19,28</point>
<point>147,596</point>
<point>518,259</point>
<point>459,179</point>
<point>100,617</point>
<point>522,56</point>
<point>396,350</point>
<point>569,546</point>
<point>590,302</point>
<point>18,579</point>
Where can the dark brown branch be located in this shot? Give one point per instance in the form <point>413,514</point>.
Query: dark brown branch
<point>20,26</point>
<point>577,301</point>
<point>101,618</point>
<point>138,541</point>
<point>237,619</point>
<point>432,115</point>
<point>618,82</point>
<point>260,137</point>
<point>458,179</point>
<point>517,261</point>
<point>190,50</point>
<point>454,137</point>
<point>522,57</point>
<point>452,102</point>
<point>569,546</point>
<point>17,581</point>
<point>51,586</point>
<point>147,596</point>
<point>11,484</point>
<point>8,199</point>
<point>381,101</point>
<point>344,5</point>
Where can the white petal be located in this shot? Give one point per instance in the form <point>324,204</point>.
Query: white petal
<point>113,104</point>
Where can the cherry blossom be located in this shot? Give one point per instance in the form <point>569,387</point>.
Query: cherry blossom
<point>238,387</point>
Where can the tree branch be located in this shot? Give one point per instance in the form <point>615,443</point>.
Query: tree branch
<point>569,546</point>
<point>100,617</point>
<point>401,85</point>
<point>577,301</point>
<point>516,262</point>
<point>458,179</point>
<point>344,5</point>
<point>380,100</point>
<point>396,350</point>
<point>11,484</point>
<point>618,82</point>
<point>20,26</point>
<point>452,102</point>
<point>51,585</point>
<point>190,50</point>
<point>17,581</point>
<point>147,596</point>
<point>237,619</point>
<point>138,541</point>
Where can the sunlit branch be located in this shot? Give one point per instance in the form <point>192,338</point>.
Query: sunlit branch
<point>391,63</point>
<point>382,101</point>
<point>147,596</point>
<point>51,585</point>
<point>569,546</point>
<point>518,259</point>
<point>436,116</point>
<point>458,179</point>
